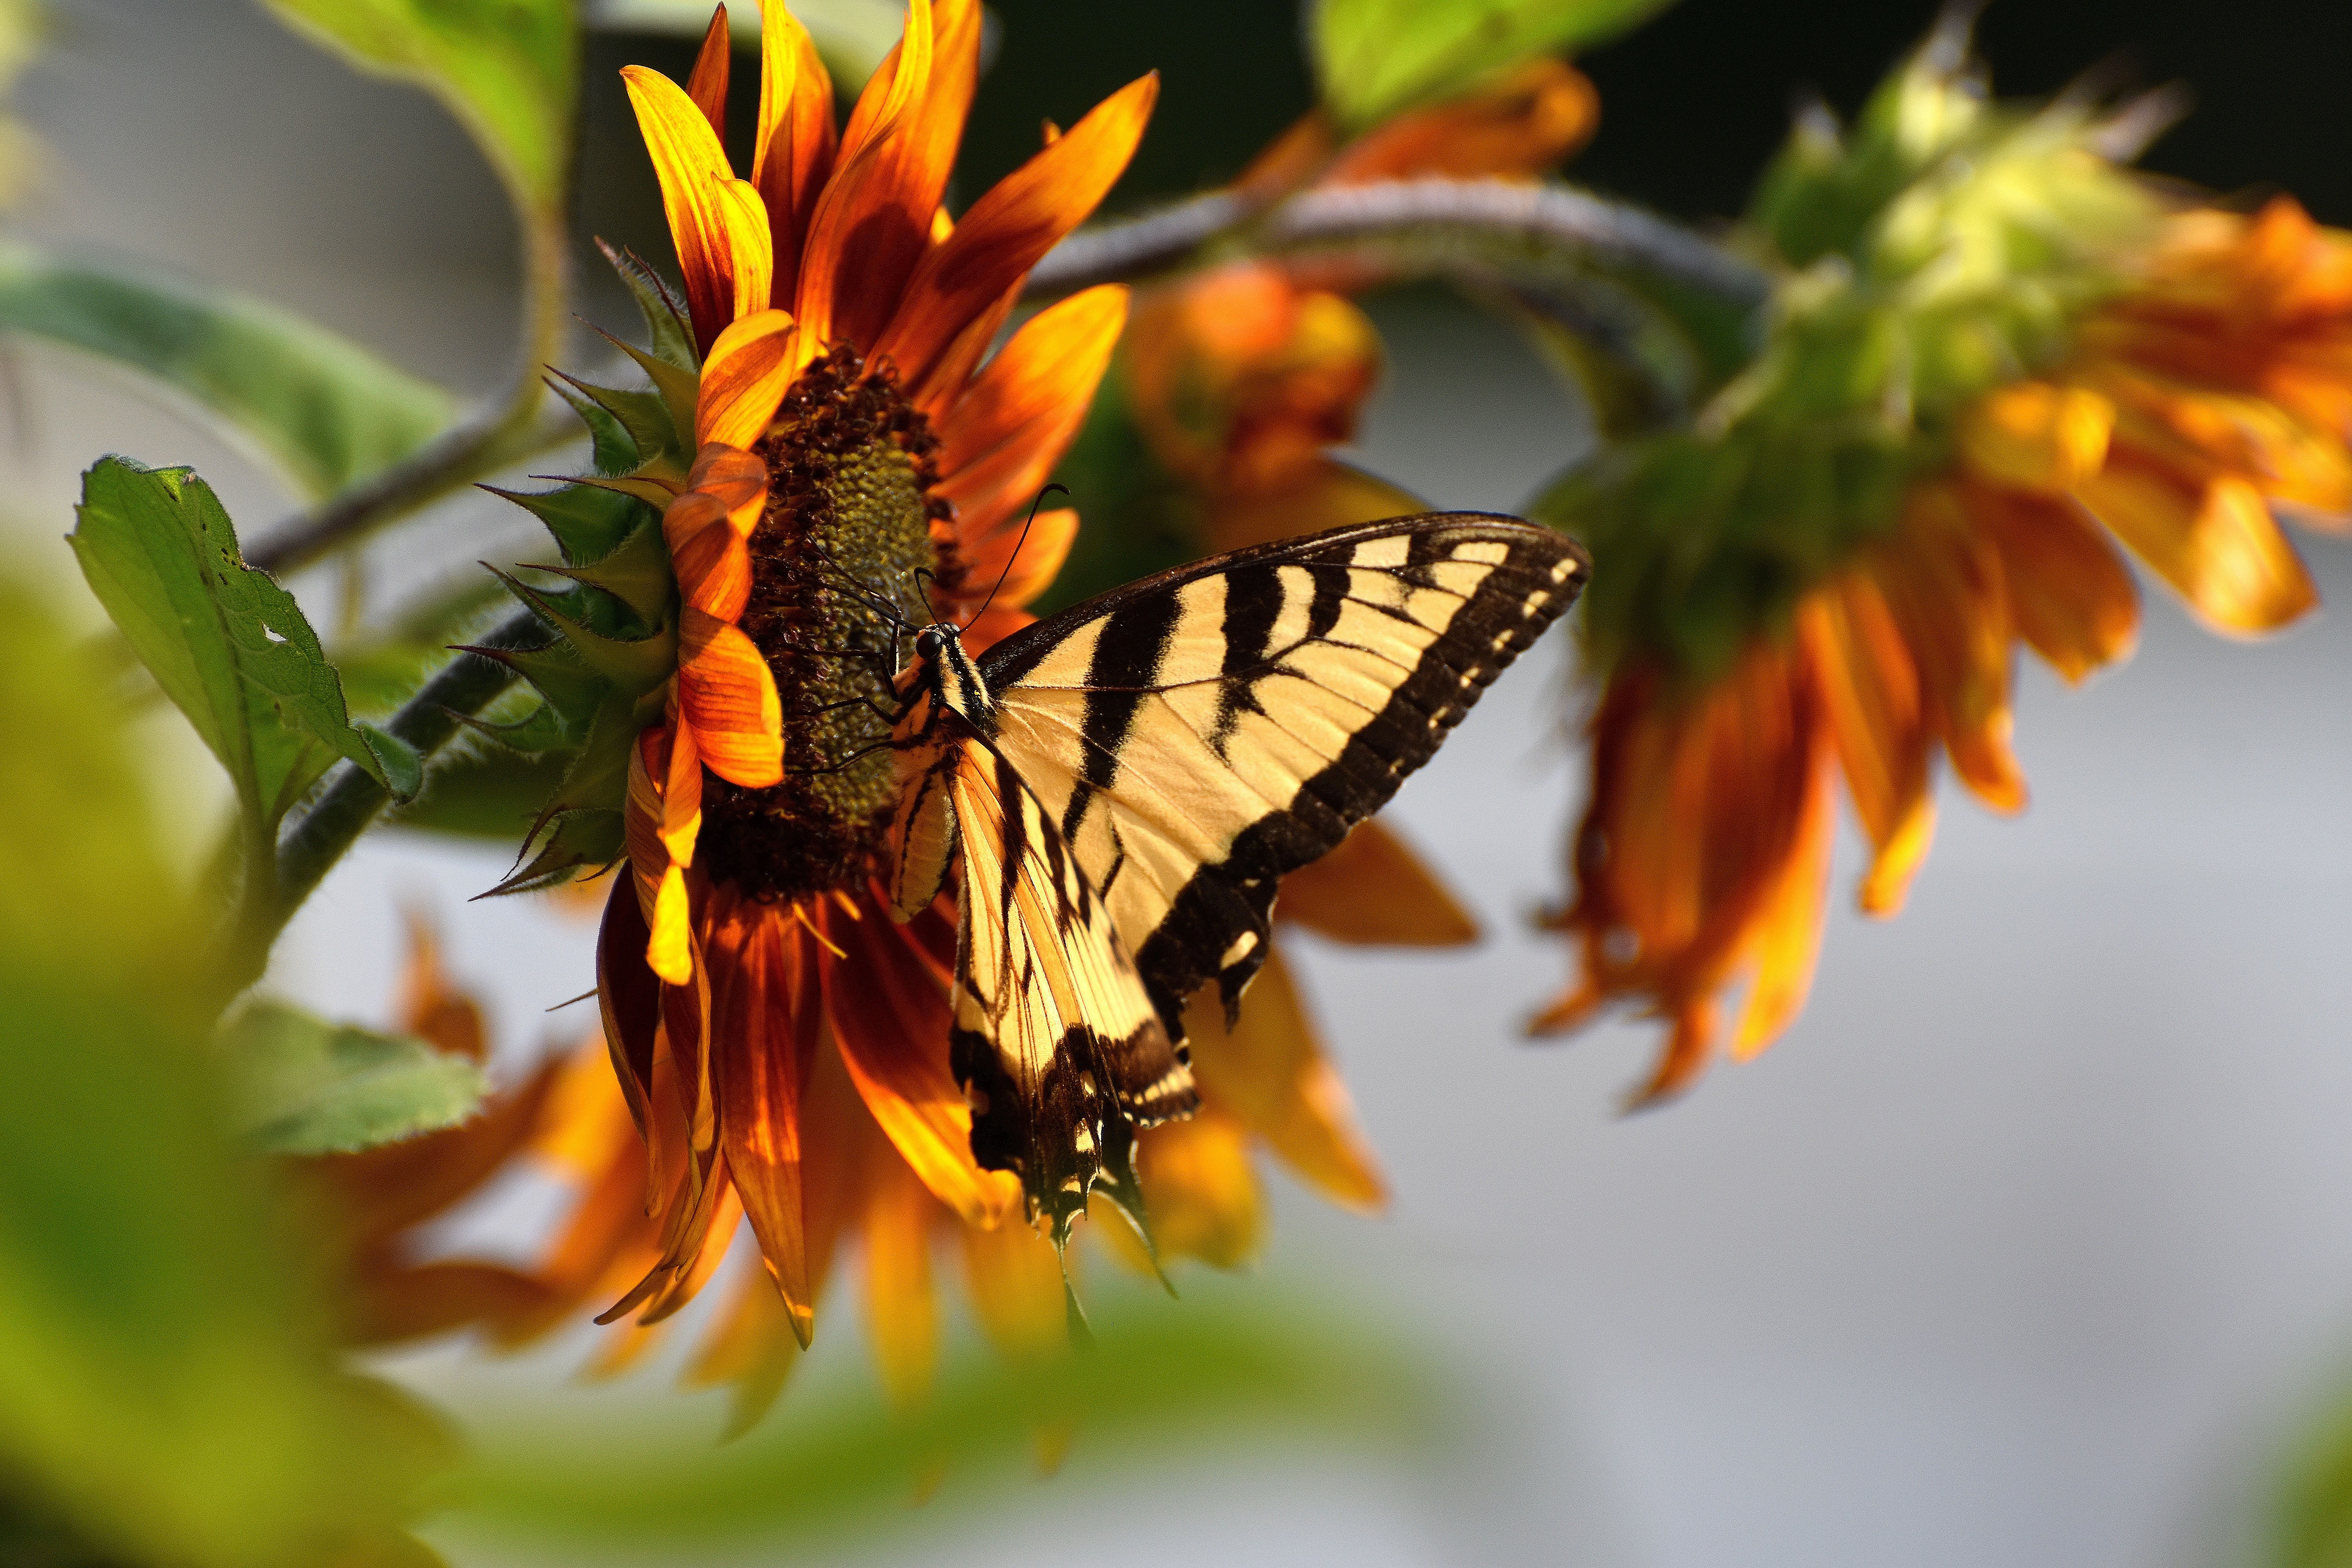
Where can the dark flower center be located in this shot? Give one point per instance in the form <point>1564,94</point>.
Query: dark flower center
<point>848,524</point>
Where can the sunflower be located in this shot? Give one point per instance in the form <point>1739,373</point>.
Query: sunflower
<point>2078,370</point>
<point>828,453</point>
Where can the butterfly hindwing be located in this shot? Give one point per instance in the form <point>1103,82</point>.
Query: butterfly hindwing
<point>1198,734</point>
<point>1060,1053</point>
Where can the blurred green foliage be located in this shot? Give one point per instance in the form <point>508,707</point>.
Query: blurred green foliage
<point>509,70</point>
<point>167,1391</point>
<point>1161,1378</point>
<point>325,411</point>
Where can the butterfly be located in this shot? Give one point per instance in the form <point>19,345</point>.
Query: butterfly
<point>1117,791</point>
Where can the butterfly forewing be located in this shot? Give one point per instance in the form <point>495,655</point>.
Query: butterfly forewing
<point>1059,1048</point>
<point>1200,734</point>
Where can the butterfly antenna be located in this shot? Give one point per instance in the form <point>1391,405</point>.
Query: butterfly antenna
<point>1017,544</point>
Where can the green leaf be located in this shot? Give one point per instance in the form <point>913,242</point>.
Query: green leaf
<point>1376,58</point>
<point>324,410</point>
<point>309,1087</point>
<point>168,1391</point>
<point>509,70</point>
<point>223,641</point>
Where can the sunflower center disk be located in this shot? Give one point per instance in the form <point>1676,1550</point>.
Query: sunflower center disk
<point>847,526</point>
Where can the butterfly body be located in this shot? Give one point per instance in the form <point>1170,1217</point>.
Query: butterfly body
<point>1123,786</point>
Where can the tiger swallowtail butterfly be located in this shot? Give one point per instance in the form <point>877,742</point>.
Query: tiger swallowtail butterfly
<point>1120,789</point>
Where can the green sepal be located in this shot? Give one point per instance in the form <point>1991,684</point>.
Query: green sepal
<point>587,521</point>
<point>637,572</point>
<point>646,419</point>
<point>667,327</point>
<point>558,675</point>
<point>633,665</point>
<point>576,839</point>
<point>680,389</point>
<point>492,794</point>
<point>610,446</point>
<point>304,1085</point>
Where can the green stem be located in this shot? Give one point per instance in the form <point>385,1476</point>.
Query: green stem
<point>352,801</point>
<point>466,452</point>
<point>1431,216</point>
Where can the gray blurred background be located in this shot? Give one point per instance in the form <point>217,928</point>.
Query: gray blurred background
<point>2031,1243</point>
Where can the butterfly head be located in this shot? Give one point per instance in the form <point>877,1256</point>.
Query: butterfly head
<point>953,679</point>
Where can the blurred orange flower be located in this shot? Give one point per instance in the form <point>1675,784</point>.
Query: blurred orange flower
<point>2214,386</point>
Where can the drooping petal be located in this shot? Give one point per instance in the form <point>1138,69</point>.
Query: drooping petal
<point>902,1305</point>
<point>890,1014</point>
<point>1001,441</point>
<point>2220,549</point>
<point>1374,890</point>
<point>389,1302</point>
<point>2036,437</point>
<point>1202,1190</point>
<point>1870,690</point>
<point>792,148</point>
<point>1015,1282</point>
<point>707,84</point>
<point>1008,230</point>
<point>628,993</point>
<point>1269,1070</point>
<point>1786,938</point>
<point>767,1005</point>
<point>744,377</point>
<point>2070,594</point>
<point>726,693</point>
<point>752,1347</point>
<point>1942,579</point>
<point>692,168</point>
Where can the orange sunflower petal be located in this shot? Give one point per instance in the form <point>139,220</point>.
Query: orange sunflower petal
<point>744,377</point>
<point>1008,230</point>
<point>863,187</point>
<point>1010,570</point>
<point>2069,594</point>
<point>2036,437</point>
<point>1870,690</point>
<point>2220,549</point>
<point>1202,1190</point>
<point>1943,580</point>
<point>1000,442</point>
<point>1269,1070</point>
<point>707,84</point>
<point>767,1005</point>
<point>792,147</point>
<point>1786,938</point>
<point>902,1304</point>
<point>693,170</point>
<point>1015,1283</point>
<point>726,693</point>
<point>1373,890</point>
<point>752,1346</point>
<point>889,1017</point>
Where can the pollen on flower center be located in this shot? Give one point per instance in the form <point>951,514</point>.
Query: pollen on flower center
<point>848,515</point>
